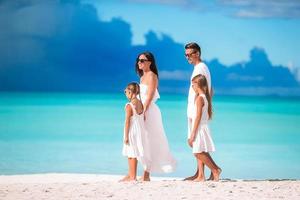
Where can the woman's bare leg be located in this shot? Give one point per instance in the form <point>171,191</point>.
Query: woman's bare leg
<point>146,176</point>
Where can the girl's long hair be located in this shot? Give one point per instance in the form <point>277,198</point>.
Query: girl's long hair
<point>134,87</point>
<point>202,83</point>
<point>149,57</point>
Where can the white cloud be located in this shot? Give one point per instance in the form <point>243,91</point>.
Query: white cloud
<point>166,2</point>
<point>240,8</point>
<point>237,77</point>
<point>195,5</point>
<point>259,91</point>
<point>294,70</point>
<point>264,9</point>
<point>297,74</point>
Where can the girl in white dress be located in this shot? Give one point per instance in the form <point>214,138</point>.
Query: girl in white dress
<point>162,160</point>
<point>135,143</point>
<point>199,137</point>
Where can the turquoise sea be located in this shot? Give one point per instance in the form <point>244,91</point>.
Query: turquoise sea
<point>255,137</point>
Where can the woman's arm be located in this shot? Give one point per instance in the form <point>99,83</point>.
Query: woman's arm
<point>152,85</point>
<point>199,103</point>
<point>128,114</point>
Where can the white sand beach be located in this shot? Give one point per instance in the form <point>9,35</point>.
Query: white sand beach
<point>89,186</point>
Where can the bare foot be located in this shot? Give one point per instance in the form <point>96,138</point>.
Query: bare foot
<point>190,178</point>
<point>211,177</point>
<point>216,174</point>
<point>124,179</point>
<point>199,179</point>
<point>127,178</point>
<point>144,178</point>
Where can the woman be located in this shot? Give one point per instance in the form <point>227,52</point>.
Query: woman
<point>161,158</point>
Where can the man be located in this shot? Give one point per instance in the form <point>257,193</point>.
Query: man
<point>193,55</point>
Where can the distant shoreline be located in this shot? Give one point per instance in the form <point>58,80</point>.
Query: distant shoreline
<point>295,95</point>
<point>71,177</point>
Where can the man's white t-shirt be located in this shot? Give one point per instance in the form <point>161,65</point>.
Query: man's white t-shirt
<point>200,68</point>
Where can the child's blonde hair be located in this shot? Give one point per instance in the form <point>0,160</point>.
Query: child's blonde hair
<point>134,88</point>
<point>201,82</point>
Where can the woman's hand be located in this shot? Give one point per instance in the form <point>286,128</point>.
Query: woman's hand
<point>145,110</point>
<point>152,82</point>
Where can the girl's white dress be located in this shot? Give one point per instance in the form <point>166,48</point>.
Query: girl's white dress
<point>138,145</point>
<point>203,141</point>
<point>161,157</point>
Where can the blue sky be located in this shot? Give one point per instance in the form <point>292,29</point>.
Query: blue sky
<point>251,47</point>
<point>226,29</point>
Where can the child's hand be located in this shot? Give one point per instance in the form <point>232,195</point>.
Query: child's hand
<point>126,141</point>
<point>190,142</point>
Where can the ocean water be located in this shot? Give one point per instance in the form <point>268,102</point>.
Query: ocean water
<point>255,137</point>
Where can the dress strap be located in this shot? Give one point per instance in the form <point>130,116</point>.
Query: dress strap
<point>132,106</point>
<point>204,98</point>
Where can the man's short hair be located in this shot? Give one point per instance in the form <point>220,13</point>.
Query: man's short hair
<point>193,45</point>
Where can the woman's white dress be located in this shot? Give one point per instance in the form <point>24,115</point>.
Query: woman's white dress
<point>203,141</point>
<point>161,157</point>
<point>138,144</point>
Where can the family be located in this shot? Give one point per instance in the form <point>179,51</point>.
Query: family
<point>144,136</point>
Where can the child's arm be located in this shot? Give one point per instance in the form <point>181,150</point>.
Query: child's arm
<point>128,114</point>
<point>199,103</point>
<point>151,91</point>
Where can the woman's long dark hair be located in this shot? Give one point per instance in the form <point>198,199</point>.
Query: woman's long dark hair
<point>149,57</point>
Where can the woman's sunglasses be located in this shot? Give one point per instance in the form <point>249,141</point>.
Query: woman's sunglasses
<point>141,60</point>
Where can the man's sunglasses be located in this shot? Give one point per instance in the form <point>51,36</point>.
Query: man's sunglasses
<point>190,54</point>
